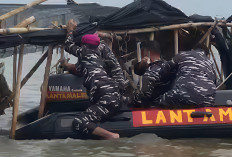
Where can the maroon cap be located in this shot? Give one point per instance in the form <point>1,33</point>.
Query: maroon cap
<point>91,39</point>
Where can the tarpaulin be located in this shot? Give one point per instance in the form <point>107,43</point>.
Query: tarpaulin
<point>139,14</point>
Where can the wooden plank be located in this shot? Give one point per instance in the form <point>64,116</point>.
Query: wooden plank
<point>45,82</point>
<point>18,10</point>
<point>17,91</point>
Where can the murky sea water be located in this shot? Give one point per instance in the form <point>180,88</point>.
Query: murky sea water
<point>144,145</point>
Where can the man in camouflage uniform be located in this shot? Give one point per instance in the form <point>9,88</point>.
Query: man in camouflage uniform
<point>195,82</point>
<point>157,79</point>
<point>103,87</point>
<point>157,76</point>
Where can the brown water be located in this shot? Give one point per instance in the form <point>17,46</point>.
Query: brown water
<point>144,145</point>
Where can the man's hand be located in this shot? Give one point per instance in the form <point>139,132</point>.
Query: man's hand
<point>63,62</point>
<point>147,60</point>
<point>71,25</point>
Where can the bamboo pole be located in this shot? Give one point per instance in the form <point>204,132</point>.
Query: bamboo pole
<point>206,34</point>
<point>222,73</point>
<point>176,41</point>
<point>224,81</point>
<point>139,57</point>
<point>45,83</point>
<point>152,36</point>
<point>62,52</point>
<point>27,77</point>
<point>207,43</point>
<point>214,59</point>
<point>17,91</point>
<point>20,30</point>
<point>18,10</point>
<point>36,66</point>
<point>26,22</point>
<point>170,27</point>
<point>14,67</point>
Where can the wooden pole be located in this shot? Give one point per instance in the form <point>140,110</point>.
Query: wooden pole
<point>214,59</point>
<point>224,81</point>
<point>208,45</point>
<point>18,10</point>
<point>206,34</point>
<point>139,57</point>
<point>26,78</point>
<point>170,27</point>
<point>45,83</point>
<point>152,36</point>
<point>26,22</point>
<point>222,74</point>
<point>36,66</point>
<point>176,41</point>
<point>17,91</point>
<point>20,30</point>
<point>62,52</point>
<point>14,67</point>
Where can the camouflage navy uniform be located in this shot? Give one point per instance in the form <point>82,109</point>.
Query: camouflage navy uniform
<point>156,81</point>
<point>103,88</point>
<point>195,81</point>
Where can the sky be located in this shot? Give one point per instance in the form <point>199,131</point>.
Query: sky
<point>214,8</point>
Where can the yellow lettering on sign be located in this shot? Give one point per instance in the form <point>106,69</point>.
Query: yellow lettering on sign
<point>176,117</point>
<point>144,118</point>
<point>212,118</point>
<point>55,96</point>
<point>51,96</point>
<point>160,116</point>
<point>63,96</point>
<point>69,95</point>
<point>190,119</point>
<point>74,95</point>
<point>223,113</point>
<point>85,95</point>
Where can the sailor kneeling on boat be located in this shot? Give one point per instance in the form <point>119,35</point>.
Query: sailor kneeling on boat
<point>103,90</point>
<point>157,76</point>
<point>195,82</point>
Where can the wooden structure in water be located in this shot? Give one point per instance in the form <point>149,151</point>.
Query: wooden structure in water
<point>18,82</point>
<point>17,71</point>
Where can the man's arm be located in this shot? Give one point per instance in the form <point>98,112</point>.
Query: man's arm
<point>71,68</point>
<point>70,45</point>
<point>112,65</point>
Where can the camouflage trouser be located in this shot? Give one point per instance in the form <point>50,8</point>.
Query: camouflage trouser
<point>105,98</point>
<point>181,96</point>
